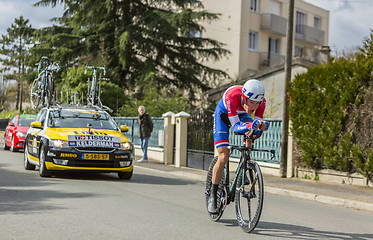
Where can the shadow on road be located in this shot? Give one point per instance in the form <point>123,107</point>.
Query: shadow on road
<point>289,231</point>
<point>157,180</point>
<point>22,193</point>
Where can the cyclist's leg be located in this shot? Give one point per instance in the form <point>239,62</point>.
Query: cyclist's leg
<point>221,134</point>
<point>217,173</point>
<point>223,157</point>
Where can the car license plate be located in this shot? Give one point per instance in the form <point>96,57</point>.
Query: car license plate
<point>95,156</point>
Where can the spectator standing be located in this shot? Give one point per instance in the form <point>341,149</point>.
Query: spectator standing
<point>145,130</point>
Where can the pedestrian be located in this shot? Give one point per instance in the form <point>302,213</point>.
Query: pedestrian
<point>145,129</point>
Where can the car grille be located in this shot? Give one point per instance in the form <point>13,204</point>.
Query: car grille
<point>94,149</point>
<point>93,163</point>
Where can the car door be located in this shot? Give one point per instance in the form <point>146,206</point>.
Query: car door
<point>33,139</point>
<point>10,130</point>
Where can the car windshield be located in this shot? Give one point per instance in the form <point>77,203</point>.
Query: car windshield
<point>72,118</point>
<point>25,122</point>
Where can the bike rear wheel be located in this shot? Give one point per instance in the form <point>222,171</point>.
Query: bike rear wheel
<point>35,94</point>
<point>221,195</point>
<point>249,196</point>
<point>50,89</point>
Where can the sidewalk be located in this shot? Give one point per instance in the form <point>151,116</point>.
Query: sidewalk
<point>359,198</point>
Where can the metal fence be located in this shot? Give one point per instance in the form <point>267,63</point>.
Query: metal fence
<point>270,139</point>
<point>132,134</point>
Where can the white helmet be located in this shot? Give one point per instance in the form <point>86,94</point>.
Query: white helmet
<point>253,90</point>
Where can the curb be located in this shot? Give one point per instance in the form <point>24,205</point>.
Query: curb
<point>346,203</point>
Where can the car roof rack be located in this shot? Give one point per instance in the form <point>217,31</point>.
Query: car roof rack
<point>95,107</point>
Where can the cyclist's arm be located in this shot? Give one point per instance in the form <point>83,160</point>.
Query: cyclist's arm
<point>242,123</point>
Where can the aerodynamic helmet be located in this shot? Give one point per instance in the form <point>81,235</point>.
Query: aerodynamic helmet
<point>253,90</point>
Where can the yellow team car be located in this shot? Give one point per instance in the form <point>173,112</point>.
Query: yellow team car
<point>77,139</point>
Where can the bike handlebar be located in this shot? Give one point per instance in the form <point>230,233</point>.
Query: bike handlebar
<point>49,65</point>
<point>94,69</point>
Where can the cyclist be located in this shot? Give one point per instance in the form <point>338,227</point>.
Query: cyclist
<point>233,110</point>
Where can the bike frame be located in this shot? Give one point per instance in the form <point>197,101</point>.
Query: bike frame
<point>93,91</point>
<point>245,157</point>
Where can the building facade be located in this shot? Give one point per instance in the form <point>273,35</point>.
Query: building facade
<point>255,33</point>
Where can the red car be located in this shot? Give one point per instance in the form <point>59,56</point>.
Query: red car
<point>15,132</point>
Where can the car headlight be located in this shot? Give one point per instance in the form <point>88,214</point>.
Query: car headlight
<point>21,134</point>
<point>58,143</point>
<point>126,146</point>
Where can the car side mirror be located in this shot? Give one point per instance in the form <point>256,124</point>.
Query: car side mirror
<point>124,128</point>
<point>11,124</point>
<point>35,124</point>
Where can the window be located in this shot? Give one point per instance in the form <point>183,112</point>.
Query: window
<point>273,45</point>
<point>41,116</point>
<point>300,22</point>
<point>254,5</point>
<point>298,51</point>
<point>253,41</point>
<point>317,22</point>
<point>14,120</point>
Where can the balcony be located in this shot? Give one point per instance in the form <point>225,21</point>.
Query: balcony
<point>270,59</point>
<point>273,24</point>
<point>309,34</point>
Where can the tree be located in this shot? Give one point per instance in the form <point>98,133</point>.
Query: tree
<point>15,47</point>
<point>156,101</point>
<point>138,41</point>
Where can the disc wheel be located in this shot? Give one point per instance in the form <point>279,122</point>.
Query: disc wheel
<point>249,196</point>
<point>35,94</point>
<point>221,195</point>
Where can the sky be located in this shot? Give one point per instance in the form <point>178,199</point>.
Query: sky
<point>350,21</point>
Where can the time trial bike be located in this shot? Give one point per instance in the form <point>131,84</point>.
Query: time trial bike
<point>42,88</point>
<point>246,189</point>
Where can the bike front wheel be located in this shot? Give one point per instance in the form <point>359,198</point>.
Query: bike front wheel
<point>35,94</point>
<point>249,196</point>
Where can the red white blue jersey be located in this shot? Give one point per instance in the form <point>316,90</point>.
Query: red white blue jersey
<point>230,105</point>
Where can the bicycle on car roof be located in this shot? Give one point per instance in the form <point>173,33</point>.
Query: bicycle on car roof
<point>42,88</point>
<point>93,95</point>
<point>246,189</point>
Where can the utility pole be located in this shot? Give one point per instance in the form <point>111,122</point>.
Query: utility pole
<point>285,114</point>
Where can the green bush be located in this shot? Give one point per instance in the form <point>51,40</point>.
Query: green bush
<point>322,112</point>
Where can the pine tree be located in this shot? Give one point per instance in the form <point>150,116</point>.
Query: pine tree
<point>15,47</point>
<point>138,41</point>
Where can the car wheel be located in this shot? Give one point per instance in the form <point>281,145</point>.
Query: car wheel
<point>125,175</point>
<point>5,147</point>
<point>43,171</point>
<point>28,165</point>
<point>12,147</point>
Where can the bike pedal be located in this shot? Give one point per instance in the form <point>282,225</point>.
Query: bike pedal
<point>207,192</point>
